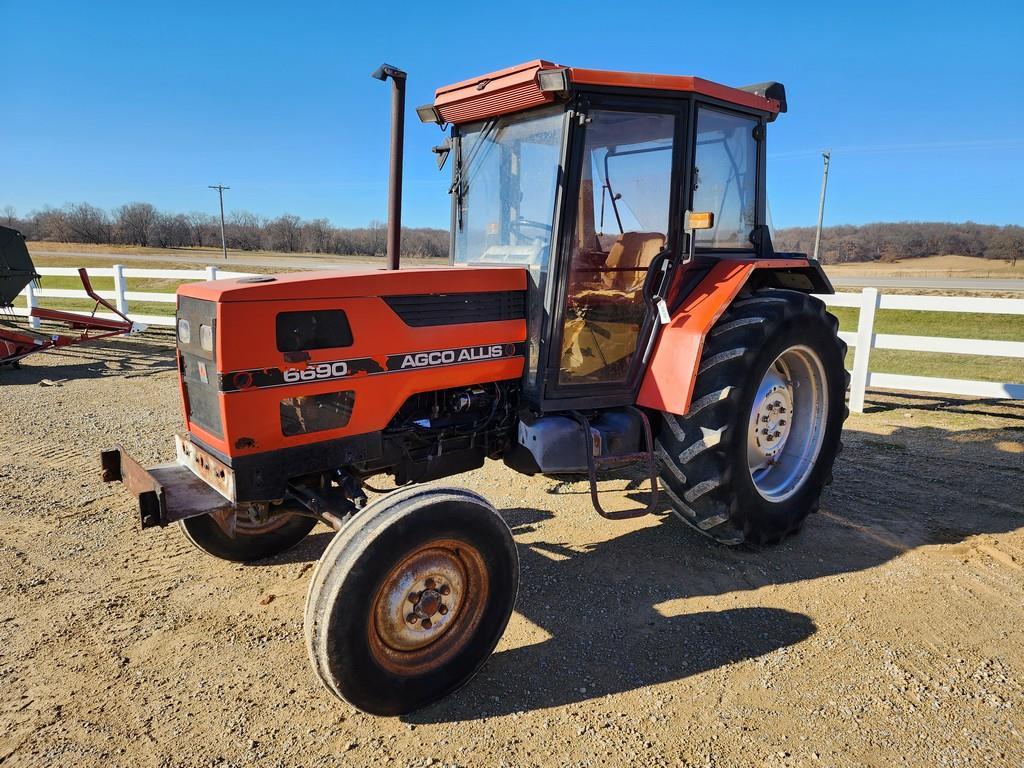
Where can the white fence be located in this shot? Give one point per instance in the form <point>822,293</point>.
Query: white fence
<point>120,296</point>
<point>863,341</point>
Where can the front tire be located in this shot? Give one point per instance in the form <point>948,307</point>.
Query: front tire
<point>252,541</point>
<point>410,599</point>
<point>750,459</point>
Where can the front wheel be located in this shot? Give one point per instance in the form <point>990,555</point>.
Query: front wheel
<point>250,541</point>
<point>749,461</point>
<point>410,599</point>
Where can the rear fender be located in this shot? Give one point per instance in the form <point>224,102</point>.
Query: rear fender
<point>672,372</point>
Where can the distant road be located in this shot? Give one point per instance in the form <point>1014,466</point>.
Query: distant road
<point>933,283</point>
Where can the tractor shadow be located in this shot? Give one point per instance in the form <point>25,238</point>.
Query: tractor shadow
<point>127,357</point>
<point>612,616</point>
<point>609,630</point>
<point>878,401</point>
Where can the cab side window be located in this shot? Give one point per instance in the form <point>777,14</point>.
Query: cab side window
<point>725,177</point>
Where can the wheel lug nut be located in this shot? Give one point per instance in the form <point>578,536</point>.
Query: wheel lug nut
<point>426,624</point>
<point>414,596</point>
<point>782,422</point>
<point>445,589</point>
<point>442,609</point>
<point>429,583</point>
<point>412,618</point>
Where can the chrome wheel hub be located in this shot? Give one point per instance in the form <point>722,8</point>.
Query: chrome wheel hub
<point>772,416</point>
<point>787,423</point>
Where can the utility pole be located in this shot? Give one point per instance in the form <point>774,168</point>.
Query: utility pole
<point>826,156</point>
<point>223,242</point>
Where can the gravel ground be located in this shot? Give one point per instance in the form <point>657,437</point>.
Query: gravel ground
<point>887,633</point>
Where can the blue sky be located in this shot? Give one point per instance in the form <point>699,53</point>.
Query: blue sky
<point>109,102</point>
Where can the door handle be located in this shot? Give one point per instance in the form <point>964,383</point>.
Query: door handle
<point>654,281</point>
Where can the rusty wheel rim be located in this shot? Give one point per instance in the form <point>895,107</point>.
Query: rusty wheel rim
<point>246,527</point>
<point>243,525</point>
<point>428,606</point>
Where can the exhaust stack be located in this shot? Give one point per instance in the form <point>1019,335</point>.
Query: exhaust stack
<point>383,72</point>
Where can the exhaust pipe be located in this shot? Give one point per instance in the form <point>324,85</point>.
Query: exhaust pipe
<point>383,72</point>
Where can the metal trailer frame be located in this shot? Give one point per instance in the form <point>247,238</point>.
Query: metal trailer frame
<point>16,345</point>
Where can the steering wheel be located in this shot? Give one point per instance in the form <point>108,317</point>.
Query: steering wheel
<point>521,222</point>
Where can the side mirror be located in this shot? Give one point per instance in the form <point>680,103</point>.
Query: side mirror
<point>692,221</point>
<point>442,152</point>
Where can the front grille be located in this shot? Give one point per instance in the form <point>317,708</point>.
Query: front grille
<point>456,308</point>
<point>202,404</point>
<point>199,366</point>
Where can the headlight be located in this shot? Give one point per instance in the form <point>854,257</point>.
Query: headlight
<point>184,331</point>
<point>206,337</point>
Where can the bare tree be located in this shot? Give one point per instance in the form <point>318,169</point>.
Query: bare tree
<point>88,224</point>
<point>1008,245</point>
<point>283,234</point>
<point>52,224</point>
<point>244,231</point>
<point>10,214</point>
<point>135,222</point>
<point>378,231</point>
<point>316,236</point>
<point>202,229</point>
<point>171,231</point>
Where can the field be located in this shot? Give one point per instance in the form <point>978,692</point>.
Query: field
<point>886,633</point>
<point>933,266</point>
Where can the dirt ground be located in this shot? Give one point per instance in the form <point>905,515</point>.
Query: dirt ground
<point>887,633</point>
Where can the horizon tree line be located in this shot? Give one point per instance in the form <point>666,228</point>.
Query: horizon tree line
<point>142,224</point>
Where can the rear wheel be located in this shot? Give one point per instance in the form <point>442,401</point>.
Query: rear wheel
<point>251,541</point>
<point>410,599</point>
<point>749,461</point>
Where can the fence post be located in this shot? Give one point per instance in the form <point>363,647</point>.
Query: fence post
<point>211,272</point>
<point>862,353</point>
<point>120,300</point>
<point>30,302</point>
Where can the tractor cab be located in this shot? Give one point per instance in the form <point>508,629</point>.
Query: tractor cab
<point>584,178</point>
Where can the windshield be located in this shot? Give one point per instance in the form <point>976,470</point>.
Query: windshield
<point>504,188</point>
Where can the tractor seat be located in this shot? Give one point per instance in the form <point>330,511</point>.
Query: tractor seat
<point>628,259</point>
<point>620,277</point>
<point>603,325</point>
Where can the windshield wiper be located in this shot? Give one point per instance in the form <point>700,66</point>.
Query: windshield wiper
<point>460,184</point>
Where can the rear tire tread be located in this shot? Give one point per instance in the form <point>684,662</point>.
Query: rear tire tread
<point>695,471</point>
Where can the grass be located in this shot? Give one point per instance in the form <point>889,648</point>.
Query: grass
<point>960,325</point>
<point>106,284</point>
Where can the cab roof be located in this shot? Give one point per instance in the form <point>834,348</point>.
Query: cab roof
<point>539,82</point>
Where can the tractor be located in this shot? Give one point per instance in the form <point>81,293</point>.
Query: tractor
<point>613,300</point>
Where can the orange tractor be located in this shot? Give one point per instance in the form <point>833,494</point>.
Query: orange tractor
<point>613,299</point>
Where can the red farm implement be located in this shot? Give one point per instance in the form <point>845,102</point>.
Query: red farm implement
<point>16,272</point>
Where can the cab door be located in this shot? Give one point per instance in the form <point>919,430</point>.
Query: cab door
<point>621,212</point>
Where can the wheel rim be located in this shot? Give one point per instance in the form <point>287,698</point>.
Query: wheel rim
<point>246,527</point>
<point>787,423</point>
<point>428,606</point>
